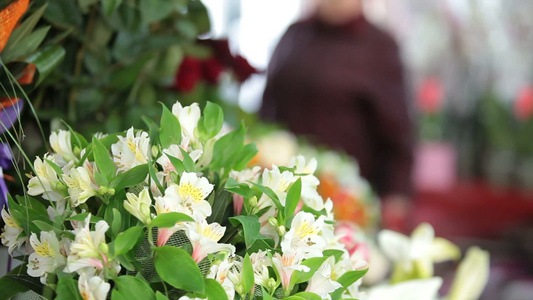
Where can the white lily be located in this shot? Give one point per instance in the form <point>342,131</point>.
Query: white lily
<point>286,264</point>
<point>321,282</point>
<point>190,195</point>
<point>139,206</point>
<point>414,257</point>
<point>204,239</point>
<point>11,232</point>
<point>131,151</point>
<point>46,182</point>
<point>188,117</point>
<point>49,254</point>
<point>93,288</point>
<point>80,183</point>
<point>420,289</point>
<point>305,235</point>
<point>62,146</point>
<point>472,276</point>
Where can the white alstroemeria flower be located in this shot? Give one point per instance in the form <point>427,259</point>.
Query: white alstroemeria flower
<point>190,194</point>
<point>321,283</point>
<point>235,274</point>
<point>420,289</point>
<point>278,182</point>
<point>189,298</point>
<point>11,233</point>
<point>204,239</point>
<point>188,117</point>
<point>286,264</point>
<point>60,143</point>
<point>246,175</point>
<point>310,183</point>
<point>305,235</point>
<point>131,151</point>
<point>46,182</point>
<point>81,184</point>
<point>93,288</point>
<point>472,276</point>
<point>175,151</point>
<point>414,257</point>
<point>89,249</point>
<point>219,272</point>
<point>49,254</point>
<point>139,206</point>
<point>260,263</point>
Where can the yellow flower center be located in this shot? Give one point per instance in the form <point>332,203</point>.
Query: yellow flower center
<point>44,250</point>
<point>10,222</point>
<point>188,190</point>
<point>209,233</point>
<point>135,150</point>
<point>305,229</point>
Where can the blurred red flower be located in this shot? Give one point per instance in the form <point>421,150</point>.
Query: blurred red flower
<point>430,96</point>
<point>523,106</point>
<point>242,69</point>
<point>212,69</point>
<point>189,73</point>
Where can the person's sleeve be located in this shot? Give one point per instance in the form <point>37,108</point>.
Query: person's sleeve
<point>394,126</point>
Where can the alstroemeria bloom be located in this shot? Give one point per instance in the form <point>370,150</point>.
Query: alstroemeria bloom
<point>260,263</point>
<point>472,276</point>
<point>89,248</point>
<point>204,239</point>
<point>279,182</point>
<point>310,194</point>
<point>131,151</point>
<point>421,289</point>
<point>93,287</point>
<point>285,266</point>
<point>46,182</point>
<point>321,283</point>
<point>219,272</point>
<point>60,143</point>
<point>304,235</point>
<point>139,206</point>
<point>188,117</point>
<point>414,257</point>
<point>11,232</point>
<point>49,254</point>
<point>175,151</point>
<point>190,195</point>
<point>81,185</point>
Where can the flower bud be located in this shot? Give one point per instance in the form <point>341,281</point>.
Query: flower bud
<point>145,212</point>
<point>239,289</point>
<point>76,151</point>
<point>282,230</point>
<point>59,187</point>
<point>253,201</point>
<point>273,221</point>
<point>155,151</point>
<point>174,177</point>
<point>272,284</point>
<point>104,248</point>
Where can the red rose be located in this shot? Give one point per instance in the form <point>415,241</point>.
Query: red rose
<point>212,69</point>
<point>189,73</point>
<point>242,69</point>
<point>523,106</point>
<point>430,96</point>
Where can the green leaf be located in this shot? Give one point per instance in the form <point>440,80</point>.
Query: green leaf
<point>211,122</point>
<point>214,291</point>
<point>16,281</point>
<point>248,152</point>
<point>313,263</point>
<point>187,277</point>
<point>26,46</point>
<point>54,166</point>
<point>83,216</point>
<point>188,163</point>
<point>44,226</point>
<point>333,252</point>
<point>178,164</point>
<point>250,226</point>
<point>46,60</point>
<point>130,287</point>
<point>170,129</point>
<point>100,179</point>
<point>125,241</point>
<point>109,6</point>
<point>293,197</point>
<point>242,189</point>
<point>261,244</point>
<point>247,274</point>
<point>160,296</point>
<point>346,280</point>
<point>103,160</point>
<point>155,10</point>
<point>294,297</point>
<point>170,219</point>
<point>266,295</point>
<point>227,148</point>
<point>116,222</point>
<point>67,289</point>
<point>23,30</point>
<point>308,296</point>
<point>130,178</point>
<point>270,193</point>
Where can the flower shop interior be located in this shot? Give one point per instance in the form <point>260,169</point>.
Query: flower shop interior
<point>302,149</point>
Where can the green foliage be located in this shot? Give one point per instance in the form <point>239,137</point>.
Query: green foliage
<point>130,287</point>
<point>187,276</point>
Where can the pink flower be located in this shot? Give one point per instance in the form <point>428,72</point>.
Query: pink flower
<point>430,96</point>
<point>523,107</point>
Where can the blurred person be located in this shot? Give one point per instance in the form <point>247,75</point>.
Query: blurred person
<point>337,79</point>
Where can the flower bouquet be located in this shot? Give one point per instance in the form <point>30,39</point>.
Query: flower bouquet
<point>174,212</point>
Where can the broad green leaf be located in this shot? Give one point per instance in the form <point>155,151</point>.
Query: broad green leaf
<point>44,226</point>
<point>18,281</point>
<point>130,287</point>
<point>100,179</point>
<point>211,122</point>
<point>155,10</point>
<point>270,193</point>
<point>46,60</point>
<point>116,222</point>
<point>125,241</point>
<point>294,297</point>
<point>170,219</point>
<point>266,295</point>
<point>170,129</point>
<point>333,252</point>
<point>187,277</point>
<point>250,226</point>
<point>178,164</point>
<point>130,178</point>
<point>247,274</point>
<point>54,166</point>
<point>346,280</point>
<point>67,289</point>
<point>188,163</point>
<point>261,244</point>
<point>109,6</point>
<point>313,263</point>
<point>227,148</point>
<point>248,152</point>
<point>103,160</point>
<point>160,296</point>
<point>10,288</point>
<point>83,216</point>
<point>64,14</point>
<point>214,291</point>
<point>242,189</point>
<point>26,46</point>
<point>293,197</point>
<point>308,296</point>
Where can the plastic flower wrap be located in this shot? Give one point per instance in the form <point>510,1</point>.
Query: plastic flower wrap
<point>174,212</point>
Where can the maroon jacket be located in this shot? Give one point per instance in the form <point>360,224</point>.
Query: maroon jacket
<point>342,86</point>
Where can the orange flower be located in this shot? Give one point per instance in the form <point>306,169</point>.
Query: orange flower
<point>9,17</point>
